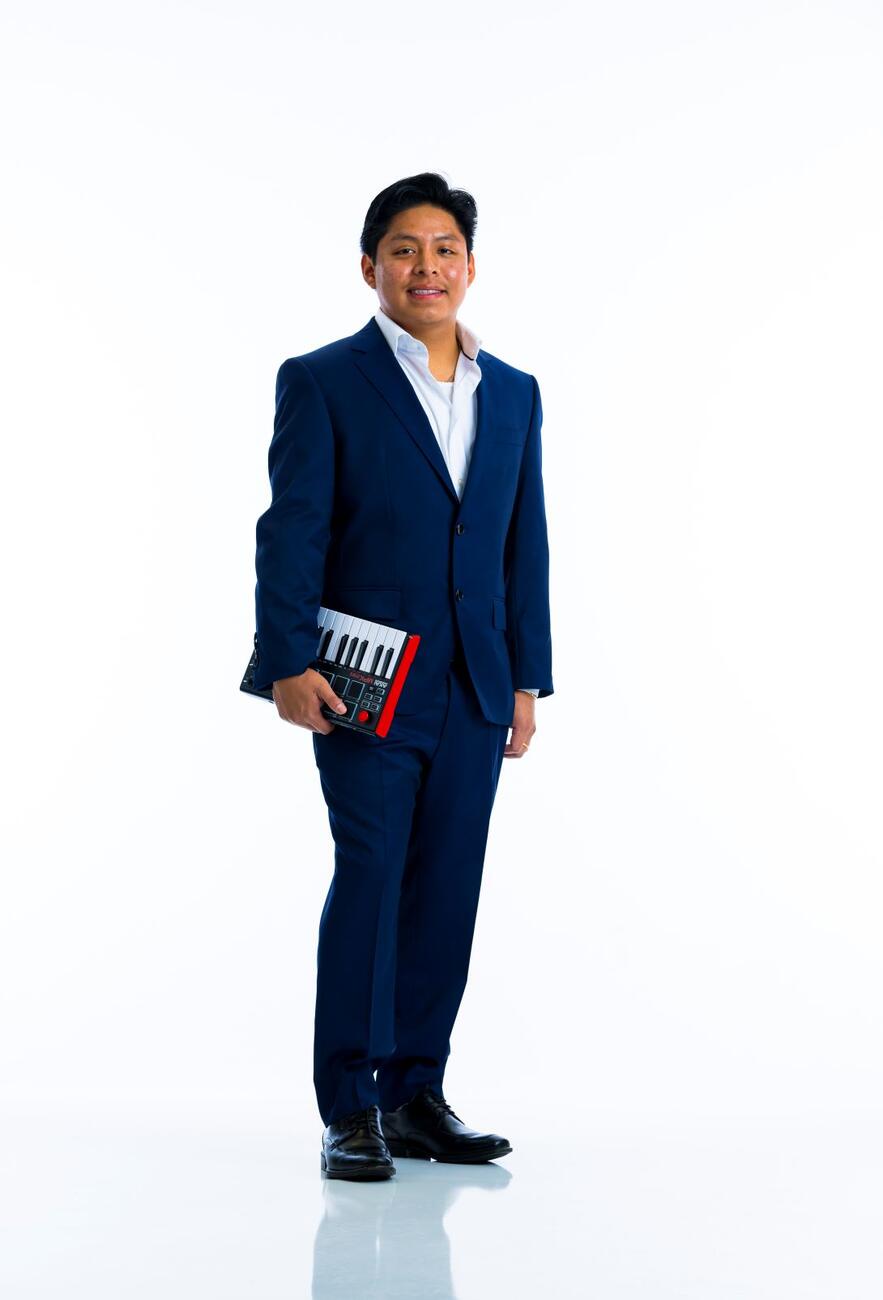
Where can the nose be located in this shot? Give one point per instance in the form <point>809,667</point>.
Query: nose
<point>426,263</point>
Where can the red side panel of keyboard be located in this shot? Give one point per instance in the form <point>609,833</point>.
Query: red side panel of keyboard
<point>395,689</point>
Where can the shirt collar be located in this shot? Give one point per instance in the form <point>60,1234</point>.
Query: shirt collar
<point>399,338</point>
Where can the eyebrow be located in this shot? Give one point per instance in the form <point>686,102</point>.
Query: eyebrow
<point>404,235</point>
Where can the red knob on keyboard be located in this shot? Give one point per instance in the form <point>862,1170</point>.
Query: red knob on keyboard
<point>363,715</point>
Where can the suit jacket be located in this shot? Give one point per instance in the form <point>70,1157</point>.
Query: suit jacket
<point>364,518</point>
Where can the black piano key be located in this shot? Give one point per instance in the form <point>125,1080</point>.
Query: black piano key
<point>384,672</point>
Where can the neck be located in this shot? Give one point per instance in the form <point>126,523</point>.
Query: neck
<point>442,343</point>
<point>438,336</point>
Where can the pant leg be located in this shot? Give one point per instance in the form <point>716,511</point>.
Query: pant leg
<point>370,785</point>
<point>439,893</point>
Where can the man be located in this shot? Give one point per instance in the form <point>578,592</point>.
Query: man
<point>406,476</point>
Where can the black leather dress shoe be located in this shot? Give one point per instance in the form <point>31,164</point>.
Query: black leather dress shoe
<point>354,1147</point>
<point>426,1128</point>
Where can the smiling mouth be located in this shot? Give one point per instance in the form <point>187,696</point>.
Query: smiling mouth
<point>425,293</point>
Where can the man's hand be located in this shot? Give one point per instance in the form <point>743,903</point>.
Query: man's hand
<point>298,700</point>
<point>523,725</point>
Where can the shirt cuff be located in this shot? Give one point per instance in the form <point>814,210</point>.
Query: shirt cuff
<point>529,690</point>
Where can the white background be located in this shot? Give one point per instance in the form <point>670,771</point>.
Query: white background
<point>680,235</point>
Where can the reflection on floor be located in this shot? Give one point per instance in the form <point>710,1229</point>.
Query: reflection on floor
<point>742,1210</point>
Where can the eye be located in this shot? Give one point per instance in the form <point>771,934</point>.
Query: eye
<point>407,248</point>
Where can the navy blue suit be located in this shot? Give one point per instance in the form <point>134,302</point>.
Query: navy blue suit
<point>364,518</point>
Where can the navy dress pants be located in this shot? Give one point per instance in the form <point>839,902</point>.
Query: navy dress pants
<point>409,815</point>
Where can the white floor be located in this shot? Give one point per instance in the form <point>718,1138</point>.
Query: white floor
<point>705,1212</point>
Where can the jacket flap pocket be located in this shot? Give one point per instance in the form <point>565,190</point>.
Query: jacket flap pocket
<point>509,433</point>
<point>499,611</point>
<point>379,604</point>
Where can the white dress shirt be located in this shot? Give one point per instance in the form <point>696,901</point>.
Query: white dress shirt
<point>451,407</point>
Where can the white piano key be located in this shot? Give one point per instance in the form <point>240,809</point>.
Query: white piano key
<point>391,653</point>
<point>346,634</point>
<point>332,623</point>
<point>339,624</point>
<point>379,636</point>
<point>373,651</point>
<point>327,632</point>
<point>366,636</point>
<point>356,638</point>
<point>322,621</point>
<point>386,639</point>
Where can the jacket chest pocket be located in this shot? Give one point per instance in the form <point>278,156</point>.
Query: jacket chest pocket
<point>510,433</point>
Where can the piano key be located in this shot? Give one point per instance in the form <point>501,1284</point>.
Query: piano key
<point>326,620</point>
<point>338,626</point>
<point>353,642</point>
<point>378,638</point>
<point>365,633</point>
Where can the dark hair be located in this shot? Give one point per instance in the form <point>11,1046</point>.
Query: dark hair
<point>426,187</point>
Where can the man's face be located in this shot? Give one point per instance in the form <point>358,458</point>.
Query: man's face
<point>422,249</point>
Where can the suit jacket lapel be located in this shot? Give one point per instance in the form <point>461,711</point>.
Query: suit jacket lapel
<point>373,356</point>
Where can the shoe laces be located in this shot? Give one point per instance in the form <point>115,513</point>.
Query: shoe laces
<point>358,1121</point>
<point>440,1105</point>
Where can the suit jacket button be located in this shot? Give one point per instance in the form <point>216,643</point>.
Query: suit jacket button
<point>459,594</point>
<point>461,528</point>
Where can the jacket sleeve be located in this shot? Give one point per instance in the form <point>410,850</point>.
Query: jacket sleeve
<point>292,534</point>
<point>526,567</point>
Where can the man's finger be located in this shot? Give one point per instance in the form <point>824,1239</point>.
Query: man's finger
<point>519,744</point>
<point>327,695</point>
